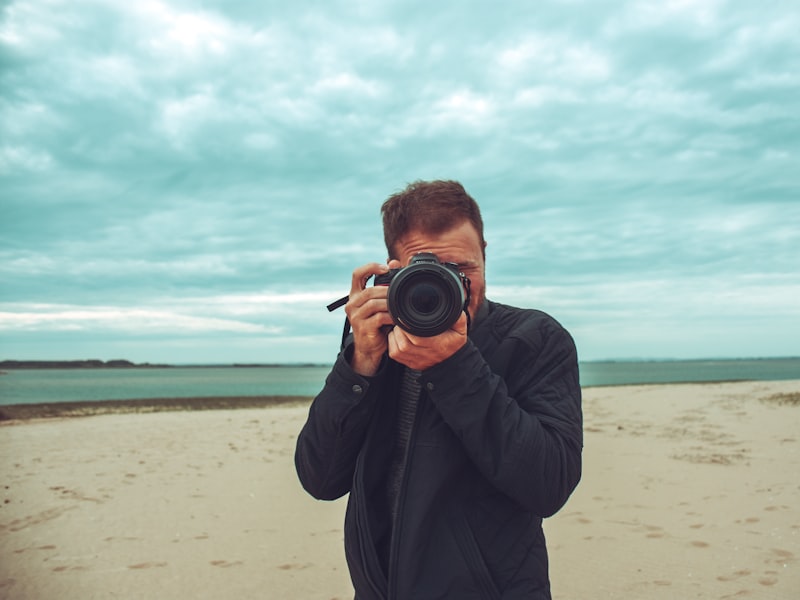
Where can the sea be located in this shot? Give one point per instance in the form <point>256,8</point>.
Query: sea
<point>36,386</point>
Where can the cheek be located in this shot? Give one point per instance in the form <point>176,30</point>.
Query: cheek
<point>477,283</point>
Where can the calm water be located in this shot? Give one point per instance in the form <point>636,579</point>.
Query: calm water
<point>64,385</point>
<point>57,385</point>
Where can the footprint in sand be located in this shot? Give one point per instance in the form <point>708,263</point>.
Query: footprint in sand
<point>37,519</point>
<point>654,532</point>
<point>147,565</point>
<point>781,557</point>
<point>65,568</point>
<point>225,563</point>
<point>735,575</point>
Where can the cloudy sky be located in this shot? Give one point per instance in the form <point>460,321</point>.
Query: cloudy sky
<point>194,181</point>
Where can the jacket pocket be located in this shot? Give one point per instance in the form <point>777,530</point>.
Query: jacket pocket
<point>473,557</point>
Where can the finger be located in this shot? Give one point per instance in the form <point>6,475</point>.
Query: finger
<point>404,340</point>
<point>391,342</point>
<point>460,326</point>
<point>401,348</point>
<point>366,304</point>
<point>370,300</point>
<point>362,274</point>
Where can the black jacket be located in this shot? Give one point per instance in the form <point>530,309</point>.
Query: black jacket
<point>496,446</point>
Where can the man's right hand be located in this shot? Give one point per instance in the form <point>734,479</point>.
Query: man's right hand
<point>369,315</point>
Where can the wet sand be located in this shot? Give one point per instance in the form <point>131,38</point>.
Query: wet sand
<point>689,491</point>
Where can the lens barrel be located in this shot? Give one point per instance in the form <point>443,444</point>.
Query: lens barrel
<point>427,297</point>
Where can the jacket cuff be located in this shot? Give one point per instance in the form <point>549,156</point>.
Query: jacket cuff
<point>349,383</point>
<point>456,376</point>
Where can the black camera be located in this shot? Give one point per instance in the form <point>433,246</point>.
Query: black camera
<point>427,297</point>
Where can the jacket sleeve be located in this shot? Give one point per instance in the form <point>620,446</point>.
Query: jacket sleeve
<point>527,442</point>
<point>329,443</point>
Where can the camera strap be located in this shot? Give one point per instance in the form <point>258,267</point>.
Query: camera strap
<point>338,303</point>
<point>332,307</point>
<point>468,286</point>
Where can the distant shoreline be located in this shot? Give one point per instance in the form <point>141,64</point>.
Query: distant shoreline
<point>126,364</point>
<point>91,364</point>
<point>89,408</point>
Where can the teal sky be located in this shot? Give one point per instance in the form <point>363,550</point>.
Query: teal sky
<point>193,181</point>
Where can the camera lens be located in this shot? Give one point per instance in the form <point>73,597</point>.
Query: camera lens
<point>426,298</point>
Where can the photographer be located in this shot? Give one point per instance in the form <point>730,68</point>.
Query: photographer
<point>453,446</point>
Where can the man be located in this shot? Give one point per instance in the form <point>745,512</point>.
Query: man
<point>452,447</point>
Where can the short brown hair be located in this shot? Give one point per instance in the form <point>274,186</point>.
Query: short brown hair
<point>428,206</point>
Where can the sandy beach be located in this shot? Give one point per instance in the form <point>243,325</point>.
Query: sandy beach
<point>689,491</point>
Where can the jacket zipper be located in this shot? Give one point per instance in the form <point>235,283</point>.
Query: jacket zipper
<point>363,543</point>
<point>395,548</point>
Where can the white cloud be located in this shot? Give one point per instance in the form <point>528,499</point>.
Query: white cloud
<point>190,33</point>
<point>346,83</point>
<point>134,321</point>
<point>702,15</point>
<point>657,93</point>
<point>29,26</point>
<point>686,317</point>
<point>554,57</point>
<point>114,76</point>
<point>182,117</point>
<point>24,120</point>
<point>14,159</point>
<point>540,95</point>
<point>463,107</point>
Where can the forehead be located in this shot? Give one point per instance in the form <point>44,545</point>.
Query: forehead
<point>460,244</point>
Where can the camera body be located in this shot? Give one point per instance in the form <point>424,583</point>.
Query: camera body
<point>426,297</point>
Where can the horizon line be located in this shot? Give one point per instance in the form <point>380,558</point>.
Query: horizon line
<point>126,363</point>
